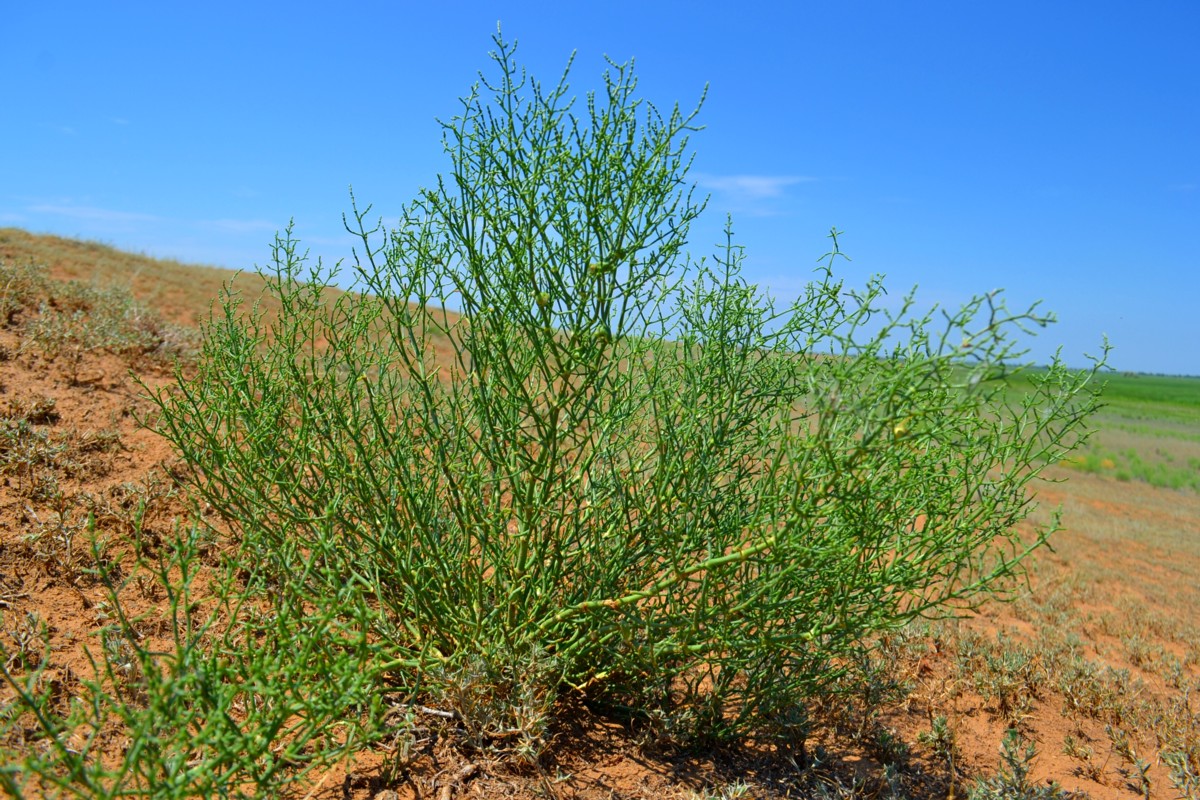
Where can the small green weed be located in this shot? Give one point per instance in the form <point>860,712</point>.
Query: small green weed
<point>1185,772</point>
<point>1012,782</point>
<point>941,739</point>
<point>1008,675</point>
<point>29,453</point>
<point>19,288</point>
<point>24,641</point>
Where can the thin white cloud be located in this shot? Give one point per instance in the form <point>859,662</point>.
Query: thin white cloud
<point>242,225</point>
<point>6,216</point>
<point>751,187</point>
<point>92,214</point>
<point>119,121</point>
<point>1184,187</point>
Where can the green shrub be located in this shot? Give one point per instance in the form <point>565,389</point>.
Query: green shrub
<point>618,470</point>
<point>540,452</point>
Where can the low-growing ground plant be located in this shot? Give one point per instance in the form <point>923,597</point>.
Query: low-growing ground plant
<point>71,319</point>
<point>540,454</point>
<point>1012,782</point>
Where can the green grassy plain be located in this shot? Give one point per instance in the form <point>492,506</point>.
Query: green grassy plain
<point>1148,431</point>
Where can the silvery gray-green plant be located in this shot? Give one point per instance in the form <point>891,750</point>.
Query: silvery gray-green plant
<point>542,440</point>
<point>1012,781</point>
<point>541,452</point>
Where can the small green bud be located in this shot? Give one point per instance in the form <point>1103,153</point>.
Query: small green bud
<point>543,300</point>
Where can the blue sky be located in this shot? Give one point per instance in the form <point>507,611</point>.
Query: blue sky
<point>1049,148</point>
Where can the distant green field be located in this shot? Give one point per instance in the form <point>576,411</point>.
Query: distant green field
<point>1139,397</point>
<point>1125,388</point>
<point>1149,431</point>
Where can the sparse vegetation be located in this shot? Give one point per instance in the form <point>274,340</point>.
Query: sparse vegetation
<point>1013,781</point>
